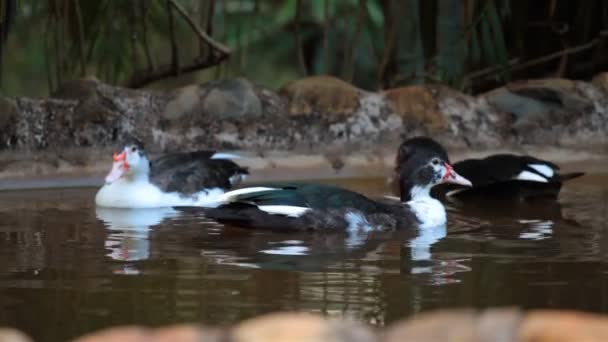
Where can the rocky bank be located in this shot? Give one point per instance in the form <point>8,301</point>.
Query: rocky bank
<point>318,118</point>
<point>493,325</point>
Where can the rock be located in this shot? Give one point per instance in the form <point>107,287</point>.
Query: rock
<point>472,121</point>
<point>77,89</point>
<point>173,333</point>
<point>231,99</point>
<point>552,111</point>
<point>95,121</point>
<point>12,335</point>
<point>298,327</point>
<point>122,334</point>
<point>187,333</point>
<point>8,122</point>
<point>601,82</point>
<point>495,325</point>
<point>324,95</point>
<point>417,103</point>
<point>438,326</point>
<point>540,102</point>
<point>499,325</point>
<point>184,102</point>
<point>563,326</point>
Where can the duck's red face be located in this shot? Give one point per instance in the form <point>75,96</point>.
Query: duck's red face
<point>119,167</point>
<point>451,176</point>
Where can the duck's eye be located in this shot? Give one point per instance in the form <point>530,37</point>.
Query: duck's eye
<point>435,161</point>
<point>133,149</point>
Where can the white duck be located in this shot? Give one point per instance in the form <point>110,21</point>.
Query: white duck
<point>178,179</point>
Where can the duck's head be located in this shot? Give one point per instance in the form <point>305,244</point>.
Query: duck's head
<point>421,164</point>
<point>130,163</point>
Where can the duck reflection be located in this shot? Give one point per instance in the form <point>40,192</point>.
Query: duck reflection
<point>129,230</point>
<point>535,217</point>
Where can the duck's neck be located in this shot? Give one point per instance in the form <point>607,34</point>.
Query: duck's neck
<point>141,173</point>
<point>139,178</point>
<point>411,192</point>
<point>429,211</point>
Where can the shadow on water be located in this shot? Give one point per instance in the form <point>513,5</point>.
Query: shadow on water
<point>67,267</point>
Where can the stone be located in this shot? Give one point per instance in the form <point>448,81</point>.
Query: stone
<point>8,121</point>
<point>173,333</point>
<point>547,101</point>
<point>324,95</point>
<point>118,334</point>
<point>438,326</point>
<point>601,82</point>
<point>298,327</point>
<point>187,333</point>
<point>563,326</point>
<point>552,111</point>
<point>231,99</point>
<point>184,101</point>
<point>472,122</point>
<point>12,335</point>
<point>417,103</point>
<point>77,89</point>
<point>498,325</point>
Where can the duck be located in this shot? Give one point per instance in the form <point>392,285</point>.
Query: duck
<point>322,207</point>
<point>511,177</point>
<point>172,180</point>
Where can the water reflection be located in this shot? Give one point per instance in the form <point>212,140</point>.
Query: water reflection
<point>60,255</point>
<point>129,232</point>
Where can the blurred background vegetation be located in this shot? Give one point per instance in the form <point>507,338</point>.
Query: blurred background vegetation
<point>472,45</point>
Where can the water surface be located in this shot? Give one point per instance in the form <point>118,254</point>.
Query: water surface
<point>67,268</point>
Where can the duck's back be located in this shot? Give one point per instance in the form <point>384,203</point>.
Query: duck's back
<point>302,206</point>
<point>191,172</point>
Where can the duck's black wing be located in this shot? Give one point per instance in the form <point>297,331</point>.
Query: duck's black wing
<point>305,195</point>
<point>288,207</point>
<point>192,172</point>
<point>507,176</point>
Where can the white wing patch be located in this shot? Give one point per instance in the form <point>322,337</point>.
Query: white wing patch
<point>229,196</point>
<point>221,155</point>
<point>543,169</point>
<point>454,192</point>
<point>392,198</point>
<point>531,176</point>
<point>237,178</point>
<point>287,210</point>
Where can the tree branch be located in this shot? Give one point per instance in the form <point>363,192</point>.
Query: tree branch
<point>514,66</point>
<point>83,62</point>
<point>174,50</point>
<point>141,78</point>
<point>144,27</point>
<point>299,50</point>
<point>202,35</point>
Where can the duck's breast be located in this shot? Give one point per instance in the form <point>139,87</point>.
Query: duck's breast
<point>129,195</point>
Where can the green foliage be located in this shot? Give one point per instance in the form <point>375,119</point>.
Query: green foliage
<point>373,43</point>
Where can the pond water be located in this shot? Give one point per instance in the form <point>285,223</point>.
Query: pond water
<point>67,268</point>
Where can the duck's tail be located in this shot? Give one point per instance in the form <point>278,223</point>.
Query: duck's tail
<point>568,176</point>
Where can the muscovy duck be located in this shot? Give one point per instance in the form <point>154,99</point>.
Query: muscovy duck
<point>177,179</point>
<point>304,206</point>
<point>507,177</point>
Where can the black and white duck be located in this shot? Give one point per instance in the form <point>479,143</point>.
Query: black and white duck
<point>507,177</point>
<point>176,179</point>
<point>304,206</point>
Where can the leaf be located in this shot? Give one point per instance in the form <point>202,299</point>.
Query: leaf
<point>502,55</point>
<point>374,11</point>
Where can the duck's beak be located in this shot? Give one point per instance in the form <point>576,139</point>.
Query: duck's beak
<point>451,176</point>
<point>119,167</point>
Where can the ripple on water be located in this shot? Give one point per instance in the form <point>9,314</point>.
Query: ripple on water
<point>93,267</point>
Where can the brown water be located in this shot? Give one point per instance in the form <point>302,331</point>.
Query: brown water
<point>67,269</point>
